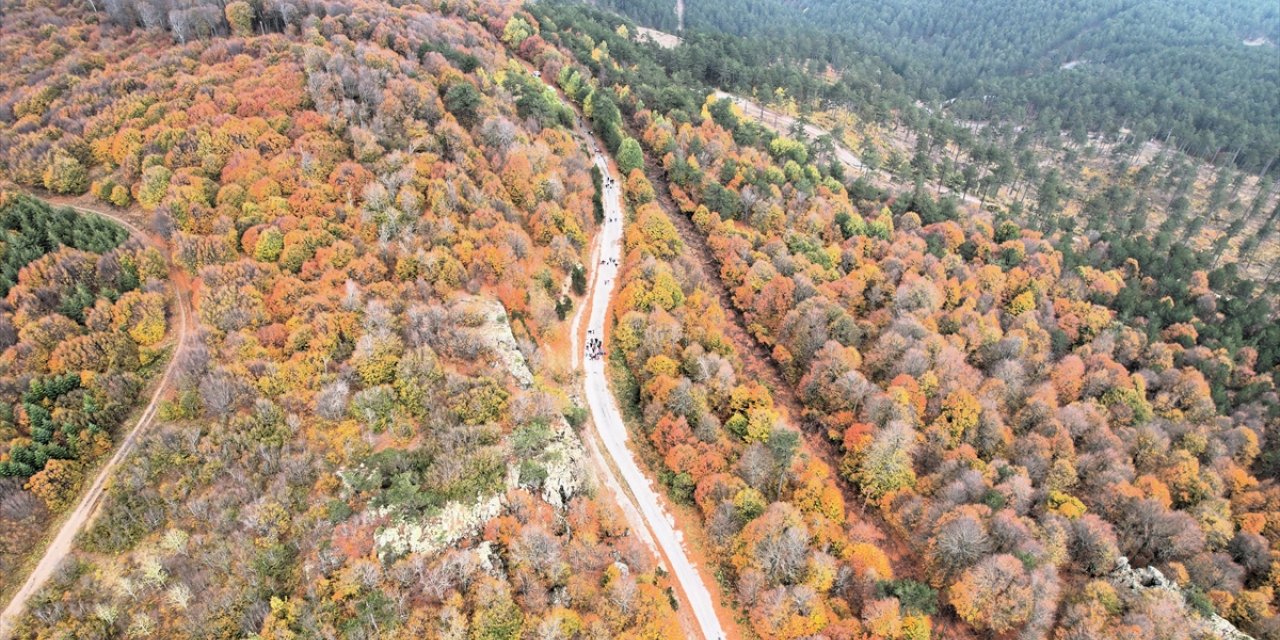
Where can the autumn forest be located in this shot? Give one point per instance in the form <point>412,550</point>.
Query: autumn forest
<point>296,301</point>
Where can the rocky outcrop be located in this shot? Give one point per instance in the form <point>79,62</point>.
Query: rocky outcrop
<point>563,457</point>
<point>496,333</point>
<point>457,520</point>
<point>1140,579</point>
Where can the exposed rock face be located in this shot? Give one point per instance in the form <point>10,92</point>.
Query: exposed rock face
<point>497,333</point>
<point>456,521</point>
<point>1141,578</point>
<point>1144,578</point>
<point>564,455</point>
<point>563,459</point>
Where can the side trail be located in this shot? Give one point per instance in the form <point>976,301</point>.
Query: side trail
<point>86,509</point>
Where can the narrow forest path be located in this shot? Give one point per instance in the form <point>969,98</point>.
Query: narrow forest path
<point>782,123</point>
<point>60,547</point>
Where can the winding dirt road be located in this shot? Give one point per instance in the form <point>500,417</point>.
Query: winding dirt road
<point>782,123</point>
<point>620,473</point>
<point>606,415</point>
<point>87,508</point>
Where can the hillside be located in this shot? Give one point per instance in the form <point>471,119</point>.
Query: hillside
<point>1006,410</point>
<point>372,431</point>
<point>1174,67</point>
<point>479,320</point>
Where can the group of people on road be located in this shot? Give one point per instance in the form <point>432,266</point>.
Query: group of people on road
<point>609,183</point>
<point>595,346</point>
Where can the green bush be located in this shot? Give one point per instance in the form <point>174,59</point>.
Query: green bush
<point>916,598</point>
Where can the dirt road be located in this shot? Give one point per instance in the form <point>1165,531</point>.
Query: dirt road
<point>85,510</point>
<point>782,123</point>
<point>620,472</point>
<point>608,420</point>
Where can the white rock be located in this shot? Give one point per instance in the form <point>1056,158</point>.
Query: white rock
<point>1144,578</point>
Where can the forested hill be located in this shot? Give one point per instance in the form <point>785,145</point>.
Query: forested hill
<point>1001,408</point>
<point>1204,72</point>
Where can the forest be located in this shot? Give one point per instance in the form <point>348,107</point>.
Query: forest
<point>1204,74</point>
<point>1123,183</point>
<point>1123,215</point>
<point>382,216</point>
<point>1166,208</point>
<point>1019,417</point>
<point>81,323</point>
<point>878,411</point>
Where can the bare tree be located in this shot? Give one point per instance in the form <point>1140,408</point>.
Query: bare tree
<point>219,391</point>
<point>331,401</point>
<point>959,542</point>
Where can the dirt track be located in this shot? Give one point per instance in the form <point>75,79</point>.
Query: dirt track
<point>87,508</point>
<point>612,429</point>
<point>609,453</point>
<point>782,123</point>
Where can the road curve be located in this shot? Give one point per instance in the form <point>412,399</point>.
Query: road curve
<point>61,545</point>
<point>782,123</point>
<point>608,417</point>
